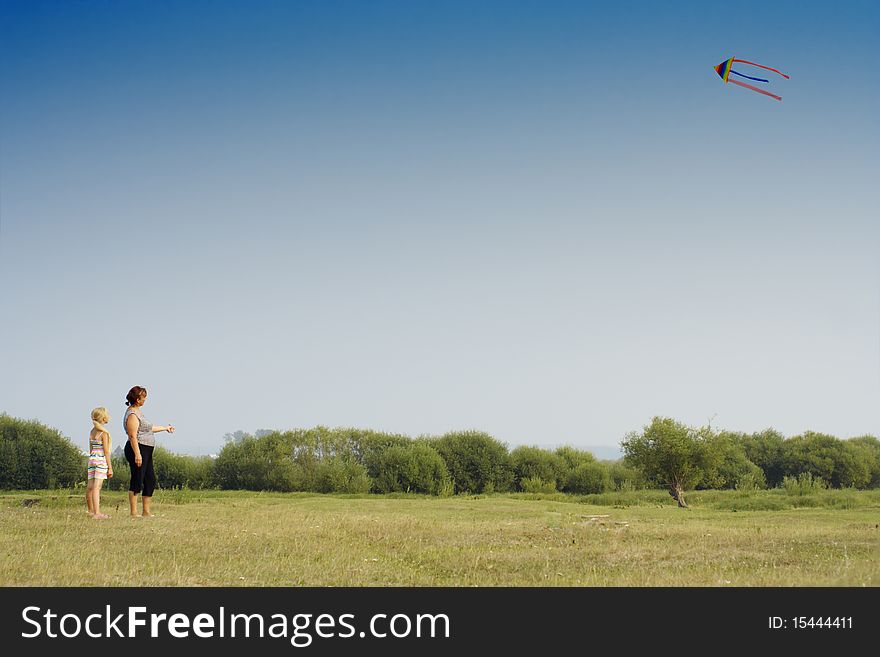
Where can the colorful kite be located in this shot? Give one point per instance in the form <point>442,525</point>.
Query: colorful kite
<point>724,70</point>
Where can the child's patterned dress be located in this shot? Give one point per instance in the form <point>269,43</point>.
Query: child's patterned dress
<point>97,459</point>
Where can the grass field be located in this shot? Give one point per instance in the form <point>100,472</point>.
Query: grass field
<point>213,538</point>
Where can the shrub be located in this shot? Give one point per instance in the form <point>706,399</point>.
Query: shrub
<point>855,465</point>
<point>121,474</point>
<point>342,474</point>
<point>590,477</point>
<point>33,455</point>
<point>867,448</point>
<point>369,445</point>
<point>804,484</point>
<point>766,450</point>
<point>476,462</point>
<point>412,468</point>
<point>729,463</point>
<point>625,478</point>
<point>585,475</point>
<point>572,457</point>
<point>537,485</point>
<point>536,463</point>
<point>835,461</point>
<point>751,481</point>
<point>178,470</point>
<point>317,460</point>
<point>240,465</point>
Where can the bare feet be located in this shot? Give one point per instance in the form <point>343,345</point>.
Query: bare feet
<point>100,516</point>
<point>136,515</point>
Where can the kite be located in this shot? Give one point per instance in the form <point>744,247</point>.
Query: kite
<point>724,70</point>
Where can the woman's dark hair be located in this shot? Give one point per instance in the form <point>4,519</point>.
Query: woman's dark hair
<point>134,395</point>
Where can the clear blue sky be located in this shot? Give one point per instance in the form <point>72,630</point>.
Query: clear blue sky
<point>547,220</point>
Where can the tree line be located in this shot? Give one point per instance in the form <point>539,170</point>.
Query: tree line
<point>665,453</point>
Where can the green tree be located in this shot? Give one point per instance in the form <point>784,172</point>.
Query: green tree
<point>670,454</point>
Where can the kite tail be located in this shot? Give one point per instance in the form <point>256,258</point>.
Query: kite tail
<point>748,77</point>
<point>743,61</point>
<point>760,91</point>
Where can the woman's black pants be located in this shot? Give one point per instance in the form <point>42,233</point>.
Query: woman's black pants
<point>143,478</point>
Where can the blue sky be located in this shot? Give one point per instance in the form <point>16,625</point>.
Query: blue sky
<point>549,221</point>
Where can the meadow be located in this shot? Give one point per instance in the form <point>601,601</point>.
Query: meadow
<point>633,538</point>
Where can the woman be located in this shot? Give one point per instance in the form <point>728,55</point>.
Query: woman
<point>139,450</point>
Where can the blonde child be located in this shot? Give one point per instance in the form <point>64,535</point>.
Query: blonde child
<point>100,466</point>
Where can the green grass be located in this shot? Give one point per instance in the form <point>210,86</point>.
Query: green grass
<point>214,538</point>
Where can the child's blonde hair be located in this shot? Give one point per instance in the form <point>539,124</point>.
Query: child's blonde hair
<point>100,415</point>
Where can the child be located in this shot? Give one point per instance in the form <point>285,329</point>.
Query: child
<point>100,466</point>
